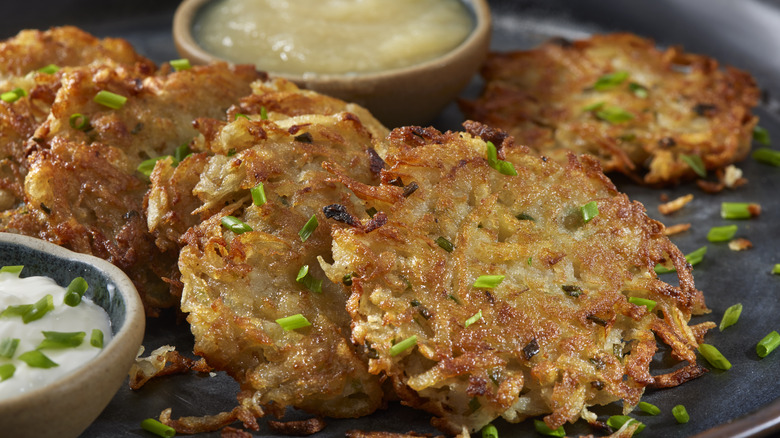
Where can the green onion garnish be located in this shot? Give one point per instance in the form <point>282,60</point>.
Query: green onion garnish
<point>768,344</point>
<point>610,80</point>
<point>49,69</point>
<point>258,194</point>
<point>589,211</point>
<point>181,64</point>
<point>400,347</point>
<point>75,291</point>
<point>109,99</point>
<point>694,258</point>
<point>503,167</point>
<point>731,316</point>
<point>650,304</point>
<point>488,281</point>
<point>639,91</point>
<point>649,408</point>
<point>293,322</point>
<point>157,428</point>
<point>489,431</point>
<point>767,156</point>
<point>147,166</point>
<point>182,151</point>
<point>12,269</point>
<point>714,357</point>
<point>243,116</point>
<point>263,113</point>
<point>614,115</point>
<point>696,163</point>
<point>235,225</point>
<point>761,135</point>
<point>445,244</point>
<point>7,371</point>
<point>305,277</point>
<point>18,310</point>
<point>776,269</point>
<point>36,359</point>
<point>13,95</point>
<point>40,308</point>
<point>8,347</point>
<point>524,217</point>
<point>735,210</point>
<point>593,106</point>
<point>79,121</point>
<point>680,414</point>
<point>309,228</point>
<point>60,340</point>
<point>542,428</point>
<point>474,318</point>
<point>96,338</point>
<point>721,234</point>
<point>617,421</point>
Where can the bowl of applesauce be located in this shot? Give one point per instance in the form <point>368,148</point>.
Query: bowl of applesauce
<point>403,60</point>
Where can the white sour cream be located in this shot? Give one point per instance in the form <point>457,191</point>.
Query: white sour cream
<point>332,36</point>
<point>82,318</point>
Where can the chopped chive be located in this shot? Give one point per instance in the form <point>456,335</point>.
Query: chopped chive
<point>735,210</point>
<point>110,100</point>
<point>572,291</point>
<point>157,428</point>
<point>96,338</point>
<point>614,115</point>
<point>474,404</point>
<point>49,69</point>
<point>12,269</point>
<point>293,322</point>
<point>18,310</point>
<point>681,414</point>
<point>181,64</point>
<point>258,194</point>
<point>75,291</point>
<point>474,318</point>
<point>730,316</point>
<point>182,151</point>
<point>235,225</point>
<point>371,212</point>
<point>304,277</point>
<point>503,167</point>
<point>79,121</point>
<point>768,344</point>
<point>489,431</point>
<point>524,217</point>
<point>639,91</point>
<point>492,154</point>
<point>506,168</point>
<point>589,211</point>
<point>309,228</point>
<point>696,163</point>
<point>488,281</point>
<point>244,116</point>
<point>13,95</point>
<point>593,106</point>
<point>767,156</point>
<point>60,340</point>
<point>776,269</point>
<point>36,359</point>
<point>263,113</point>
<point>347,280</point>
<point>147,166</point>
<point>7,371</point>
<point>761,135</point>
<point>721,234</point>
<point>8,347</point>
<point>650,304</point>
<point>39,309</point>
<point>542,428</point>
<point>617,421</point>
<point>610,80</point>
<point>714,357</point>
<point>402,346</point>
<point>693,258</point>
<point>649,408</point>
<point>445,244</point>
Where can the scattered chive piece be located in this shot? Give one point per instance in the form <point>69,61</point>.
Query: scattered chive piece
<point>525,217</point>
<point>293,322</point>
<point>12,269</point>
<point>75,291</point>
<point>13,95</point>
<point>614,115</point>
<point>593,106</point>
<point>96,338</point>
<point>639,91</point>
<point>649,408</point>
<point>617,421</point>
<point>721,234</point>
<point>305,278</point>
<point>694,258</point>
<point>650,304</point>
<point>492,154</point>
<point>263,113</point>
<point>731,316</point>
<point>714,357</point>
<point>474,318</point>
<point>489,431</point>
<point>18,310</point>
<point>235,225</point>
<point>40,308</point>
<point>109,99</point>
<point>400,347</point>
<point>488,281</point>
<point>181,64</point>
<point>768,344</point>
<point>542,428</point>
<point>7,371</point>
<point>572,291</point>
<point>610,80</point>
<point>680,414</point>
<point>506,168</point>
<point>696,163</point>
<point>474,404</point>
<point>36,359</point>
<point>79,121</point>
<point>258,194</point>
<point>60,340</point>
<point>8,347</point>
<point>371,212</point>
<point>309,228</point>
<point>589,211</point>
<point>182,152</point>
<point>761,135</point>
<point>157,428</point>
<point>49,69</point>
<point>735,210</point>
<point>445,244</point>
<point>147,166</point>
<point>776,269</point>
<point>767,156</point>
<point>503,167</point>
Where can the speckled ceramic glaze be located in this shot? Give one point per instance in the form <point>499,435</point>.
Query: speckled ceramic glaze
<point>65,408</point>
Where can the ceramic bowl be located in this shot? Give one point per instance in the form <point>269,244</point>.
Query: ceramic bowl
<point>66,407</point>
<point>406,96</point>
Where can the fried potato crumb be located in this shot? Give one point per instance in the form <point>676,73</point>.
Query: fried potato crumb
<point>675,204</point>
<point>740,244</point>
<point>677,229</point>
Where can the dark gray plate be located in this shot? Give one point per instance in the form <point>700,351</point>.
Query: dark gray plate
<point>741,402</point>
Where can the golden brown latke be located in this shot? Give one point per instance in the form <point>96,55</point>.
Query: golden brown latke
<point>236,285</point>
<point>558,334</point>
<point>637,108</point>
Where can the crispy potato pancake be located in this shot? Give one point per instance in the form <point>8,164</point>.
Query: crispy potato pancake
<point>642,111</point>
<point>556,332</point>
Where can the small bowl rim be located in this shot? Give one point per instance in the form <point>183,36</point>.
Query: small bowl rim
<point>128,332</point>
<point>186,44</point>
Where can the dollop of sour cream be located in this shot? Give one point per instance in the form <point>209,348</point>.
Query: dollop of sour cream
<point>84,317</point>
<point>331,36</point>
